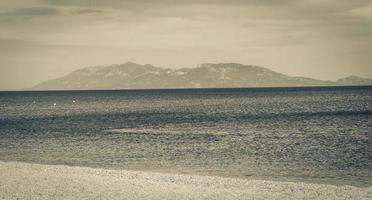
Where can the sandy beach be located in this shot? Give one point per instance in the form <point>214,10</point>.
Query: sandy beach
<point>35,181</point>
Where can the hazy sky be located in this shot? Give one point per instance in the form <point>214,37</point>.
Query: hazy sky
<point>43,39</point>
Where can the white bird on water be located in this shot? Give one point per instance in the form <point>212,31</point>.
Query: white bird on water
<point>54,104</point>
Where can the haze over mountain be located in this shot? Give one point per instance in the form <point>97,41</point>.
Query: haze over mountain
<point>222,75</point>
<point>354,80</point>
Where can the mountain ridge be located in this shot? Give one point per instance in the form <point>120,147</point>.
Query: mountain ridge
<point>131,75</point>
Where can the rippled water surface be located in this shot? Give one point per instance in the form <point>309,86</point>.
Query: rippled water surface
<point>285,133</point>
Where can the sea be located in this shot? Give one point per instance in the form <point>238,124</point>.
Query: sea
<point>310,134</point>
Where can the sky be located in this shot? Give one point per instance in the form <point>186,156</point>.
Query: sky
<point>45,39</point>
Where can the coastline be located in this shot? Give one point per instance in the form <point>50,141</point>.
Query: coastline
<point>37,181</point>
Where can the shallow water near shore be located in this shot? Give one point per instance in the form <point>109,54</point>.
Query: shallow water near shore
<point>309,134</point>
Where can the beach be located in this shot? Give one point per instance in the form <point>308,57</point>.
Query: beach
<point>35,181</point>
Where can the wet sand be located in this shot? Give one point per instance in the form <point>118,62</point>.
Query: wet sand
<point>35,181</point>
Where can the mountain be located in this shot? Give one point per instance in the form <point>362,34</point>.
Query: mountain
<point>354,80</point>
<point>222,75</point>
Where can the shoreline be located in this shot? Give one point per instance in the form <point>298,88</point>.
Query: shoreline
<point>39,181</point>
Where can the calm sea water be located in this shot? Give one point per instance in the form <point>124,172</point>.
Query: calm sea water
<point>321,134</point>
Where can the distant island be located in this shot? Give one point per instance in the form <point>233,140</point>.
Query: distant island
<point>222,75</point>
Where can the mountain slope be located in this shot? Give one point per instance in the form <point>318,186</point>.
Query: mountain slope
<point>222,75</point>
<point>354,80</point>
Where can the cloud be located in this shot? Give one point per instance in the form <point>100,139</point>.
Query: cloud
<point>46,11</point>
<point>116,3</point>
<point>19,16</point>
<point>365,11</point>
<point>34,11</point>
<point>86,11</point>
